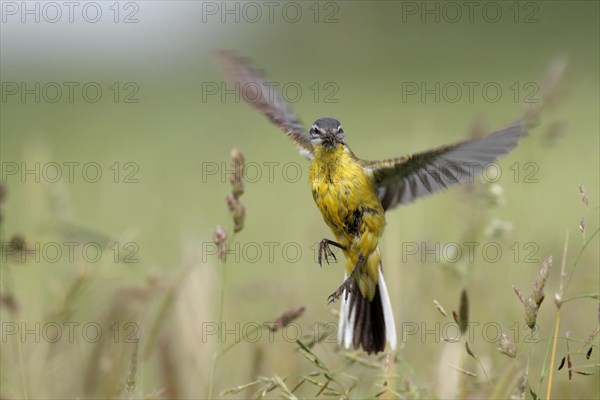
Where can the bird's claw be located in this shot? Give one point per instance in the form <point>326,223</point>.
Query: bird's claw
<point>325,252</point>
<point>345,287</point>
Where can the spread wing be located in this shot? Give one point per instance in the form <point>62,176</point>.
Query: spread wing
<point>264,96</point>
<point>402,180</point>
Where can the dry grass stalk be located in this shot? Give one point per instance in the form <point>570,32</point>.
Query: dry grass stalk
<point>238,211</point>
<point>464,371</point>
<point>133,369</point>
<point>558,301</point>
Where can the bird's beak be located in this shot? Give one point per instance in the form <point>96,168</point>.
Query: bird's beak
<point>329,139</point>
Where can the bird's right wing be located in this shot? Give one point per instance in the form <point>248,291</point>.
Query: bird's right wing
<point>257,92</point>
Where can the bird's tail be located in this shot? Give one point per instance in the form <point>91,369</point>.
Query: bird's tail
<point>367,324</point>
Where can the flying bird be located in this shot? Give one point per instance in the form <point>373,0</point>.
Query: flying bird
<point>353,196</point>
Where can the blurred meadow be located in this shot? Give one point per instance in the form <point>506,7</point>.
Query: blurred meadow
<point>116,167</point>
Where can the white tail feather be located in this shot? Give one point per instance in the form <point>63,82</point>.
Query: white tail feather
<point>344,309</point>
<point>346,321</point>
<point>388,315</point>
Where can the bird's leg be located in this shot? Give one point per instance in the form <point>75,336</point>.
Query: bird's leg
<point>324,250</point>
<point>346,285</point>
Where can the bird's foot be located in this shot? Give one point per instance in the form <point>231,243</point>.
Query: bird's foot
<point>325,250</point>
<point>345,287</point>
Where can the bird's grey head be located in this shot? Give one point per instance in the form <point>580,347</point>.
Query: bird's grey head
<point>327,132</point>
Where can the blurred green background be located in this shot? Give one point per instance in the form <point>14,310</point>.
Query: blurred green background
<point>351,60</point>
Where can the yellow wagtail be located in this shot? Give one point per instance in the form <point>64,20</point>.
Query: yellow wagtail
<point>353,196</point>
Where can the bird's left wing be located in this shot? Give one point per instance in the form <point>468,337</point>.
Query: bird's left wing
<point>262,95</point>
<point>402,180</point>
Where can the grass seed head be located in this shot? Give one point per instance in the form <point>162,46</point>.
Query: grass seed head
<point>463,313</point>
<point>220,239</point>
<point>238,211</point>
<point>584,196</point>
<point>540,281</point>
<point>237,178</point>
<point>286,318</point>
<point>239,216</point>
<point>531,310</point>
<point>506,346</point>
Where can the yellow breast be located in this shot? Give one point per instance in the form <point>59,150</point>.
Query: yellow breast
<point>345,194</point>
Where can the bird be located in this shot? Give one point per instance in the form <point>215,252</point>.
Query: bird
<point>354,195</point>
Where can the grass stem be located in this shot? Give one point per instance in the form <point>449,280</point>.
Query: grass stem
<point>217,354</point>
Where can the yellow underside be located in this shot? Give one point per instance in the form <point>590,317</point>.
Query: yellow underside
<point>348,200</point>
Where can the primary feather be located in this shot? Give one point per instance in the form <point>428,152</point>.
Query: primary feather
<point>404,179</point>
<point>263,96</point>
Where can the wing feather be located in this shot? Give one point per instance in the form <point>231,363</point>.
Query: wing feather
<point>404,179</point>
<point>262,95</point>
